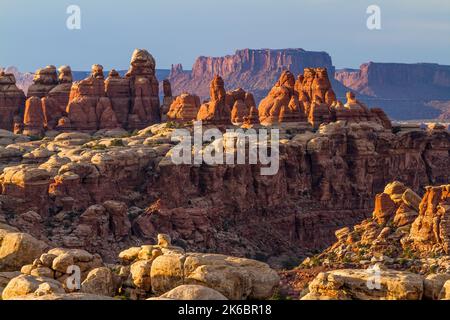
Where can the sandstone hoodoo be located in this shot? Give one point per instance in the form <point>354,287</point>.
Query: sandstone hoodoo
<point>315,91</point>
<point>215,111</point>
<point>94,103</point>
<point>144,90</point>
<point>44,80</point>
<point>12,100</point>
<point>167,100</point>
<point>184,108</point>
<point>243,107</point>
<point>282,104</point>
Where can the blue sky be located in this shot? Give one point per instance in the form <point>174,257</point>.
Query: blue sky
<point>34,34</point>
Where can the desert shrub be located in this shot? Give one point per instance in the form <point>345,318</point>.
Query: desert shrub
<point>117,143</point>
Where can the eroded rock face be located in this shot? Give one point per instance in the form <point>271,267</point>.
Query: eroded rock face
<point>431,230</point>
<point>88,105</point>
<point>33,118</point>
<point>167,100</point>
<point>184,108</point>
<point>45,79</point>
<point>216,111</point>
<point>351,284</point>
<point>243,107</point>
<point>119,92</point>
<point>144,90</point>
<point>282,104</point>
<point>12,100</point>
<point>18,249</point>
<point>253,70</point>
<point>164,267</point>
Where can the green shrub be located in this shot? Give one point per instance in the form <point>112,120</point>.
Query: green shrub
<point>117,143</point>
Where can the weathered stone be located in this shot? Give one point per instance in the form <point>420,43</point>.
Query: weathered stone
<point>193,292</point>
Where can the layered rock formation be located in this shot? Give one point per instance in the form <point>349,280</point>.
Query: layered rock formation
<point>215,111</point>
<point>149,270</point>
<point>243,107</point>
<point>325,180</point>
<point>407,233</point>
<point>93,103</point>
<point>167,100</point>
<point>12,100</point>
<point>424,81</point>
<point>144,90</point>
<point>404,91</point>
<point>251,70</point>
<point>184,108</point>
<point>282,104</point>
<point>44,80</point>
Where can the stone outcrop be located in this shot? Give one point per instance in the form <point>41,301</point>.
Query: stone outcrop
<point>24,285</point>
<point>33,118</point>
<point>334,173</point>
<point>17,249</point>
<point>404,231</point>
<point>12,100</point>
<point>163,267</point>
<point>431,230</point>
<point>215,111</point>
<point>348,284</point>
<point>119,92</point>
<point>44,80</point>
<point>144,90</point>
<point>184,108</point>
<point>91,104</point>
<point>243,107</point>
<point>168,99</point>
<point>282,104</point>
<point>404,91</point>
<point>252,70</point>
<point>191,292</point>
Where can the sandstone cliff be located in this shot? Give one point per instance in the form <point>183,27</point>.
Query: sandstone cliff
<point>400,88</point>
<point>252,70</point>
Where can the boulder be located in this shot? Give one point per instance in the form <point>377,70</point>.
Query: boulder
<point>24,285</point>
<point>99,281</point>
<point>193,292</point>
<point>357,284</point>
<point>18,249</point>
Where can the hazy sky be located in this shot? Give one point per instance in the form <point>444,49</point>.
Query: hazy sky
<point>33,33</point>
